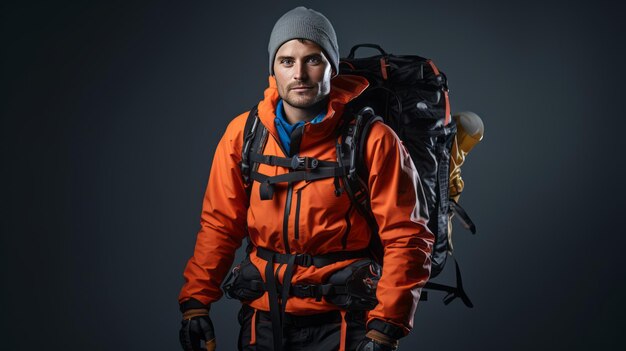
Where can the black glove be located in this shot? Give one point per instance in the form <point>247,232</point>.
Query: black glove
<point>377,341</point>
<point>197,333</point>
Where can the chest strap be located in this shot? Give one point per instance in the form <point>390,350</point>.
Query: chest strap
<point>296,162</point>
<point>302,168</point>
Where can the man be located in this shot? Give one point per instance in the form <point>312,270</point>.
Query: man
<point>302,111</point>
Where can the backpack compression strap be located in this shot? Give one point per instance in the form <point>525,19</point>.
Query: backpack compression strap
<point>466,221</point>
<point>453,292</point>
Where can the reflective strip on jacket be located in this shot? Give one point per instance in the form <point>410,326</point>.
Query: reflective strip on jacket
<point>325,222</point>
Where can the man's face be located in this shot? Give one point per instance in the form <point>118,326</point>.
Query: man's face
<point>302,73</point>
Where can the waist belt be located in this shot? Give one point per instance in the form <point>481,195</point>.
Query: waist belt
<point>317,291</point>
<point>277,308</point>
<point>306,260</point>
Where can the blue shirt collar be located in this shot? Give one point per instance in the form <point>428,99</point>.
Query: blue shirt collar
<point>285,128</point>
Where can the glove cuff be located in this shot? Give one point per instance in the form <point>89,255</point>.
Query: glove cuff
<point>192,304</point>
<point>382,339</point>
<point>390,330</point>
<point>195,312</point>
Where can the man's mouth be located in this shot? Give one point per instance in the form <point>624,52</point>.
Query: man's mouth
<point>301,88</point>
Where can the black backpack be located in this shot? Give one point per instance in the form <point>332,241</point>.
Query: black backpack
<point>412,96</point>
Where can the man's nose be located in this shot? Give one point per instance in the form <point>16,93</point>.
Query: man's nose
<point>300,72</point>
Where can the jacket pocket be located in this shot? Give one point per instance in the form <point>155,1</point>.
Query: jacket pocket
<point>244,282</point>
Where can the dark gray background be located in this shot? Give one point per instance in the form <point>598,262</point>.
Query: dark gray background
<point>111,113</point>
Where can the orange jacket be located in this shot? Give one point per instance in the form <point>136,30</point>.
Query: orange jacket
<point>322,216</point>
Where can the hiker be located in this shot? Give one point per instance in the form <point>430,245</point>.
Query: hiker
<point>308,281</point>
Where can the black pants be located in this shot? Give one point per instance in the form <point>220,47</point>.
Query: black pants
<point>320,332</point>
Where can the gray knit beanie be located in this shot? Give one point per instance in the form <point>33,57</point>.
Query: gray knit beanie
<point>303,23</point>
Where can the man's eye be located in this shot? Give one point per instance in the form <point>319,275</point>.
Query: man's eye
<point>314,60</point>
<point>286,61</point>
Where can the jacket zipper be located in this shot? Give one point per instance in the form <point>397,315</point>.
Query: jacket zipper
<point>297,223</point>
<point>286,218</point>
<point>294,148</point>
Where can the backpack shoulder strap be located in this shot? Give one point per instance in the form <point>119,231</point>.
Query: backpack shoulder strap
<point>254,134</point>
<point>351,155</point>
<point>248,136</point>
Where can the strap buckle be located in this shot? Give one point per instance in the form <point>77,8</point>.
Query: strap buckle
<point>306,163</point>
<point>309,290</point>
<point>304,260</point>
<point>306,290</point>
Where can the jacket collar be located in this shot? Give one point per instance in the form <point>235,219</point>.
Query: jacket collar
<point>343,89</point>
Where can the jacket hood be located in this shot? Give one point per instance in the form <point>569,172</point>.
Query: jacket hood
<point>343,89</point>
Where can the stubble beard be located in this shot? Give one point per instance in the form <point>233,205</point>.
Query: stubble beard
<point>304,101</point>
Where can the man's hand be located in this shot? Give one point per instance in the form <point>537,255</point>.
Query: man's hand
<point>377,341</point>
<point>197,333</point>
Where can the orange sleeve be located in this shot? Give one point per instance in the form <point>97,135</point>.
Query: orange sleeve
<point>222,221</point>
<point>402,217</point>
